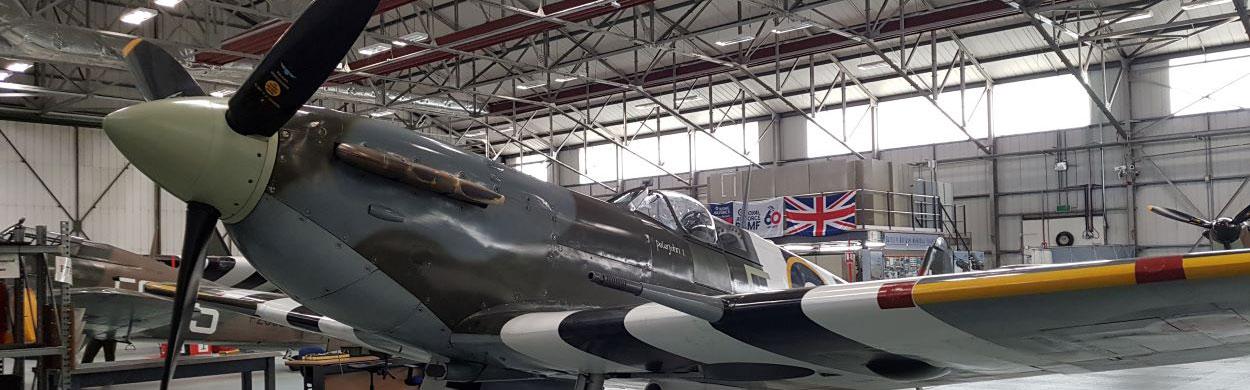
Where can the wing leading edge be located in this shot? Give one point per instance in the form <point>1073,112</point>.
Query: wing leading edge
<point>923,331</point>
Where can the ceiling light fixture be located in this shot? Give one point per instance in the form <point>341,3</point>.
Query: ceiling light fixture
<point>735,40</point>
<point>138,15</point>
<point>838,248</point>
<point>872,65</point>
<point>564,79</point>
<point>1193,5</point>
<point>1132,18</point>
<point>168,3</point>
<point>531,84</point>
<point>410,37</point>
<point>797,247</point>
<point>474,133</point>
<point>221,93</point>
<point>790,27</point>
<point>18,67</point>
<point>645,106</point>
<point>373,49</point>
<point>379,114</point>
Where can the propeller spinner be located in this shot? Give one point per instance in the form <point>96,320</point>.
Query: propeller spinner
<point>215,154</point>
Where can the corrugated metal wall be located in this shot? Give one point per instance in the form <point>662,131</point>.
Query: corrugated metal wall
<point>86,179</point>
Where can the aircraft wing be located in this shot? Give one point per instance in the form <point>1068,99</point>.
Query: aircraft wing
<point>279,309</point>
<point>121,314</point>
<point>112,313</point>
<point>922,331</point>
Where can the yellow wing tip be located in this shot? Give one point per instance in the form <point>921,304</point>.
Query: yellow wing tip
<point>131,46</point>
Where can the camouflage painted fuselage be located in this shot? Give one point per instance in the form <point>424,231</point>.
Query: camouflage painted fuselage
<point>419,266</point>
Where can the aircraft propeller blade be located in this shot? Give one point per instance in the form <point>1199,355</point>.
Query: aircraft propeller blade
<point>1180,216</point>
<point>201,222</point>
<point>297,65</point>
<point>1242,217</point>
<point>158,75</point>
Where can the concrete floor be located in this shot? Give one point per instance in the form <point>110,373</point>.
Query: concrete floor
<point>1226,374</point>
<point>1215,375</point>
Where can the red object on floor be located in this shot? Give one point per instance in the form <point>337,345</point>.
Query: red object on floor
<point>199,349</point>
<point>222,349</point>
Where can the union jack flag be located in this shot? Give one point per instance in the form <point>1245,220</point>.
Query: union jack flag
<point>820,215</point>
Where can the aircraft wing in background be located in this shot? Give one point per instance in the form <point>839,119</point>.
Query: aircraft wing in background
<point>121,314</point>
<point>277,308</point>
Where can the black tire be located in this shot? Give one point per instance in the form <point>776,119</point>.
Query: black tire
<point>653,386</point>
<point>1065,239</point>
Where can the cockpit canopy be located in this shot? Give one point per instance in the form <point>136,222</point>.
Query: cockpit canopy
<point>676,211</point>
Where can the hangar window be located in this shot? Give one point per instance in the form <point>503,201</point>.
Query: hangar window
<point>598,162</point>
<point>1211,82</point>
<point>1043,104</point>
<point>915,121</point>
<point>901,123</point>
<point>672,152</point>
<point>853,126</point>
<point>533,165</point>
<point>712,153</point>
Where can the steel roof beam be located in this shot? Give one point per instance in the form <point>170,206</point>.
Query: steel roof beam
<point>928,21</point>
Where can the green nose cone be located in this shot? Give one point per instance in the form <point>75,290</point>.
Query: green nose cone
<point>185,146</point>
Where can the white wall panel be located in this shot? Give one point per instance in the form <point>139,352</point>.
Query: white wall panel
<point>122,215</point>
<point>1179,160</point>
<point>976,217</point>
<point>1009,233</point>
<point>967,178</point>
<point>1150,93</point>
<point>959,149</point>
<point>1117,232</point>
<point>173,217</point>
<point>21,194</point>
<point>1229,120</point>
<point>908,155</point>
<point>1175,125</point>
<point>1155,230</point>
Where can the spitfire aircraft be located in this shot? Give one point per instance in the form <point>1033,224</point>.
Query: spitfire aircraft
<point>506,281</point>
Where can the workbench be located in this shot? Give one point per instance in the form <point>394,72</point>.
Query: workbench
<point>150,370</point>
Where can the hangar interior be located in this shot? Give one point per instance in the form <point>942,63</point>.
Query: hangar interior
<point>1028,117</point>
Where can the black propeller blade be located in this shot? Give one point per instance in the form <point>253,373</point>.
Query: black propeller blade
<point>201,223</point>
<point>158,74</point>
<point>297,65</point>
<point>1224,231</point>
<point>1242,217</point>
<point>1180,216</point>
